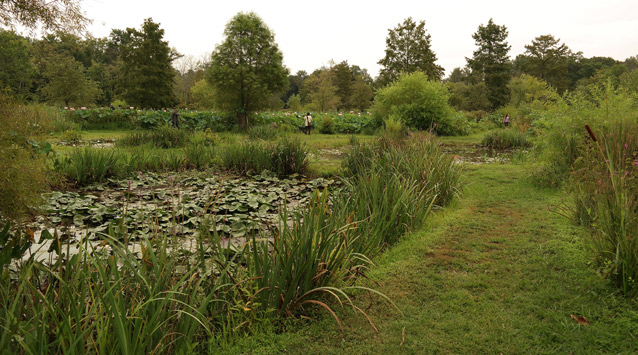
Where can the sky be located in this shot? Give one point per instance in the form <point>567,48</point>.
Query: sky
<point>312,33</point>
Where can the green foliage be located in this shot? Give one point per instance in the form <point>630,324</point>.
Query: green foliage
<point>526,89</point>
<point>285,157</point>
<point>326,125</point>
<point>294,103</point>
<point>320,92</point>
<point>490,62</point>
<point>203,95</point>
<point>418,102</point>
<point>146,74</point>
<point>87,165</point>
<point>247,68</point>
<point>17,69</point>
<point>67,82</point>
<point>469,97</point>
<point>506,139</point>
<point>605,190</point>
<point>163,137</point>
<point>199,155</point>
<point>408,50</point>
<point>63,15</point>
<point>22,157</point>
<point>264,132</point>
<point>547,59</point>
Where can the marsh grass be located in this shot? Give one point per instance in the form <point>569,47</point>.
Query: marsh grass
<point>606,196</point>
<point>285,157</point>
<point>506,139</point>
<point>162,137</point>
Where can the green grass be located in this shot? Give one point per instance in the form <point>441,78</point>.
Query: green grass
<point>496,273</point>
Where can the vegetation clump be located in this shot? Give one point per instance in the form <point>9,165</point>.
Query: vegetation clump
<point>506,139</point>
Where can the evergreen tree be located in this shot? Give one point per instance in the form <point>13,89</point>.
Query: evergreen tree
<point>547,59</point>
<point>247,68</point>
<point>491,62</point>
<point>408,50</point>
<point>344,82</point>
<point>145,74</point>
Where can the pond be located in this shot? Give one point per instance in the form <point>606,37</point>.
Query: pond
<point>181,205</point>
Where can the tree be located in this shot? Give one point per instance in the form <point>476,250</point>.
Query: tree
<point>189,71</point>
<point>67,82</point>
<point>417,102</point>
<point>547,59</point>
<point>17,70</point>
<point>361,94</point>
<point>294,103</point>
<point>320,91</point>
<point>343,80</point>
<point>247,68</point>
<point>490,61</point>
<point>51,15</point>
<point>408,50</point>
<point>203,95</point>
<point>146,74</point>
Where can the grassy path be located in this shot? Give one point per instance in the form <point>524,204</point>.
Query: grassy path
<point>496,273</point>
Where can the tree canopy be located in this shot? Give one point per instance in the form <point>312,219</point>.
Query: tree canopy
<point>145,74</point>
<point>247,68</point>
<point>408,50</point>
<point>547,59</point>
<point>51,15</point>
<point>490,61</point>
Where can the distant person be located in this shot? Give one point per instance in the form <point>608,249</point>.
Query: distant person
<point>307,123</point>
<point>506,120</point>
<point>112,107</point>
<point>175,118</point>
<point>119,107</point>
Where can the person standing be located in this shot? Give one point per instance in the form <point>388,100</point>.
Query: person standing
<point>308,123</point>
<point>175,118</point>
<point>506,120</point>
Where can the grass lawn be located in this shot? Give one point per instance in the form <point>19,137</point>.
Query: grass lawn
<point>496,273</point>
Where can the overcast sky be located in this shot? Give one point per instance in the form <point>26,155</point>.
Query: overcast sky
<point>311,33</point>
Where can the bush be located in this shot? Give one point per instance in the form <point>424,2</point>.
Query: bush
<point>506,139</point>
<point>22,157</point>
<point>418,102</point>
<point>326,126</point>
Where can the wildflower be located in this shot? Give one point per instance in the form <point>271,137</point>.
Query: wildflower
<point>132,108</point>
<point>129,184</point>
<point>72,109</point>
<point>626,145</point>
<point>170,178</point>
<point>636,162</point>
<point>66,108</point>
<point>340,114</point>
<point>82,108</point>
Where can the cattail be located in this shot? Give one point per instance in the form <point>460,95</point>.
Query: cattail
<point>591,133</point>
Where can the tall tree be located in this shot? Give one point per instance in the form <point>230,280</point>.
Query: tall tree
<point>247,68</point>
<point>343,79</point>
<point>17,70</point>
<point>547,59</point>
<point>320,91</point>
<point>67,82</point>
<point>490,61</point>
<point>146,74</point>
<point>408,50</point>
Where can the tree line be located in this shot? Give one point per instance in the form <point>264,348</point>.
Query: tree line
<point>137,67</point>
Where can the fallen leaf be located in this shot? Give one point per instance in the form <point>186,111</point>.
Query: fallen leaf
<point>580,320</point>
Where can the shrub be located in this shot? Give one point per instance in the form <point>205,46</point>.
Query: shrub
<point>506,139</point>
<point>326,126</point>
<point>22,157</point>
<point>418,102</point>
<point>71,136</point>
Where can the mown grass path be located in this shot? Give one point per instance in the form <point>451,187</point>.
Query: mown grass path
<point>496,273</point>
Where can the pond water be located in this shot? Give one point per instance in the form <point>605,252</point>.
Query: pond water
<point>181,206</point>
